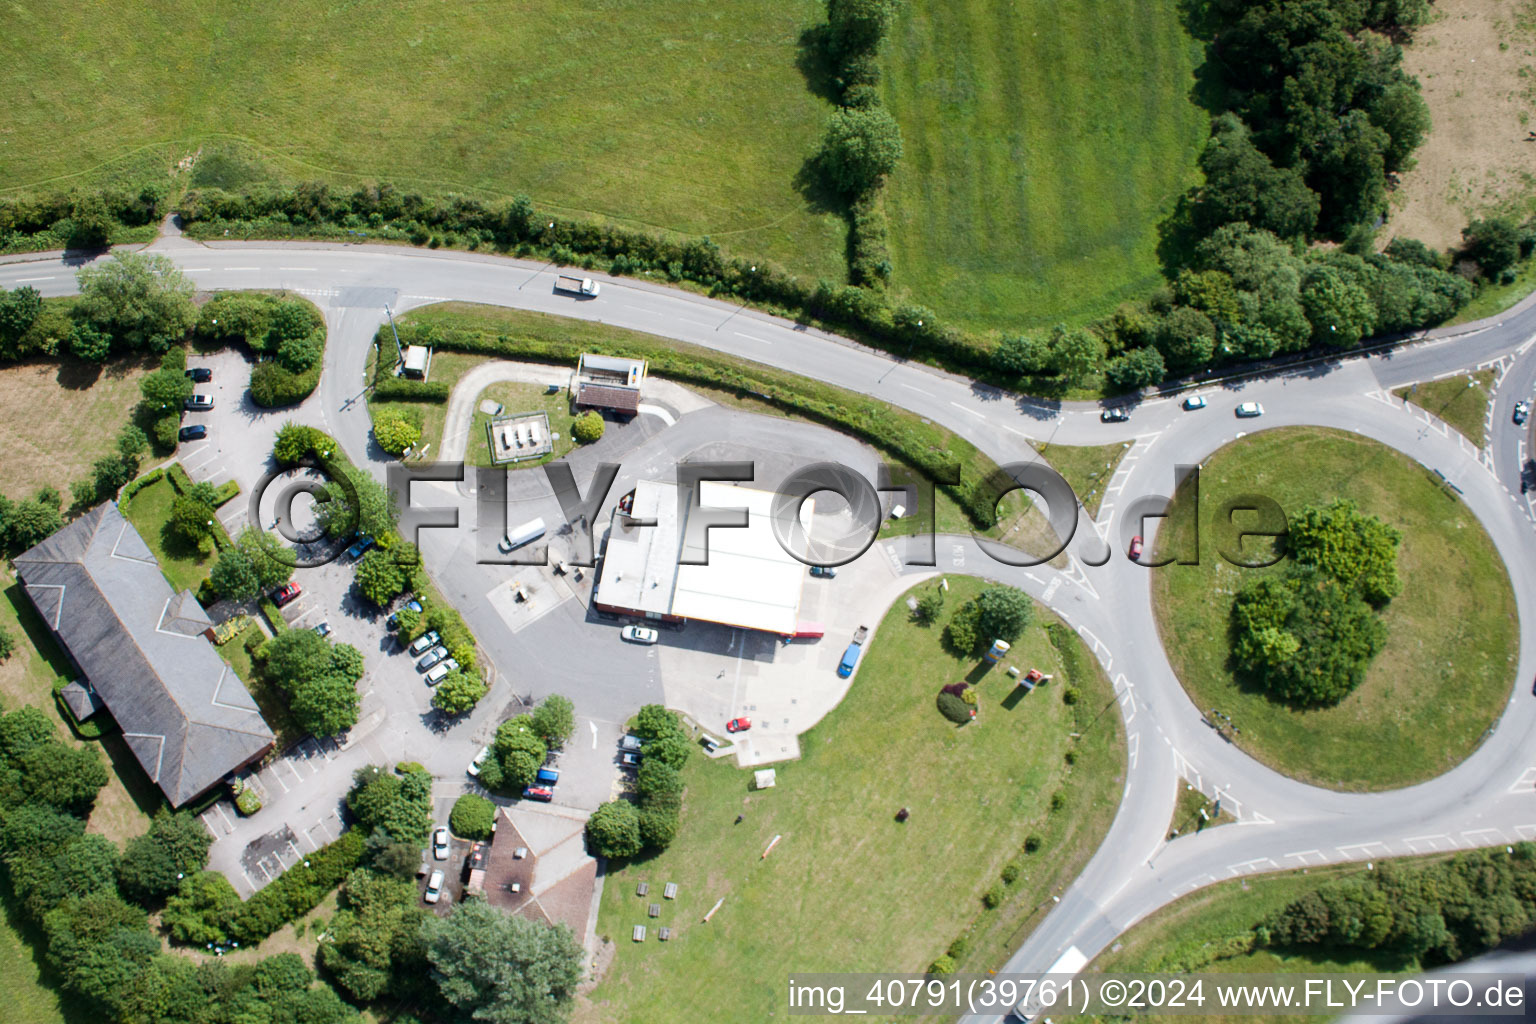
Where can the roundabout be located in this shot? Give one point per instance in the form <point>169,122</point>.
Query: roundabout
<point>1487,799</point>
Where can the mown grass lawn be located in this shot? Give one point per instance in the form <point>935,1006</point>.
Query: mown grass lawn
<point>519,398</point>
<point>682,115</point>
<point>848,888</point>
<point>1460,401</point>
<point>1044,142</point>
<point>1443,677</point>
<point>1088,469</point>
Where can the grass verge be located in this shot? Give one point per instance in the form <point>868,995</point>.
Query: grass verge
<point>1186,818</point>
<point>1494,299</point>
<point>1460,401</point>
<point>1444,675</point>
<point>847,887</point>
<point>1088,469</point>
<point>1040,154</point>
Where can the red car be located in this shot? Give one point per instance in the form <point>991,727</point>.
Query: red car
<point>543,793</point>
<point>738,725</point>
<point>287,592</point>
<point>1136,547</point>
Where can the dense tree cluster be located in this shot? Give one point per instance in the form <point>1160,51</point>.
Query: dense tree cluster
<point>398,803</point>
<point>256,561</point>
<point>621,828</point>
<point>26,523</point>
<point>82,219</point>
<point>996,613</point>
<point>1429,913</point>
<point>496,967</point>
<point>318,677</point>
<point>375,945</point>
<point>1308,634</point>
<point>286,334</point>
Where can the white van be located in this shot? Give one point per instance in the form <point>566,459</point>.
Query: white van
<point>525,534</point>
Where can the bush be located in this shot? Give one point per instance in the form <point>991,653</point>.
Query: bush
<point>1010,873</point>
<point>860,147</point>
<point>7,643</point>
<point>961,636</point>
<point>945,964</point>
<point>954,708</point>
<point>1032,843</point>
<point>247,802</point>
<point>458,693</point>
<point>554,720</point>
<point>472,817</point>
<point>587,427</point>
<point>1070,695</point>
<point>274,386</point>
<point>396,431</point>
<point>1058,800</point>
<point>929,604</point>
<point>380,576</point>
<point>994,896</point>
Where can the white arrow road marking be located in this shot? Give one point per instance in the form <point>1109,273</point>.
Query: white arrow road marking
<point>593,727</point>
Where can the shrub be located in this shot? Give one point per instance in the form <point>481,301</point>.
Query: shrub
<point>945,964</point>
<point>929,604</point>
<point>1010,873</point>
<point>472,817</point>
<point>1070,757</point>
<point>396,431</point>
<point>1031,843</point>
<point>274,386</point>
<point>994,896</point>
<point>7,643</point>
<point>954,708</point>
<point>1070,695</point>
<point>961,636</point>
<point>247,802</point>
<point>859,148</point>
<point>587,427</point>
<point>458,693</point>
<point>554,720</point>
<point>957,948</point>
<point>1058,800</point>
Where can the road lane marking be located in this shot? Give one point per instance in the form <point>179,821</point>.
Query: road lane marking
<point>310,270</point>
<point>749,337</point>
<point>968,412</point>
<point>26,280</point>
<point>242,268</point>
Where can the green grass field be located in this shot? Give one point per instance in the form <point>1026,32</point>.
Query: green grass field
<point>183,563</point>
<point>1460,401</point>
<point>848,888</point>
<point>1043,144</point>
<point>673,114</point>
<point>1443,677</point>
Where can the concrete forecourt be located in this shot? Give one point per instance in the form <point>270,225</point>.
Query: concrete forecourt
<point>1281,823</point>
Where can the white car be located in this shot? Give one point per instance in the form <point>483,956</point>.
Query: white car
<point>440,843</point>
<point>1248,410</point>
<point>640,635</point>
<point>434,887</point>
<point>474,766</point>
<point>440,671</point>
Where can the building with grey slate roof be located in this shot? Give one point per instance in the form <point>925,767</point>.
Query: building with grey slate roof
<point>141,647</point>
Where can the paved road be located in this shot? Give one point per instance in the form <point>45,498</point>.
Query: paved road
<point>1489,799</point>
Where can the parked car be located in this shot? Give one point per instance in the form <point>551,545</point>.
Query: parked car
<point>440,672</point>
<point>323,628</point>
<point>356,550</point>
<point>629,760</point>
<point>639,634</point>
<point>196,432</point>
<point>631,743</point>
<point>432,657</point>
<point>434,887</point>
<point>285,593</point>
<point>1116,415</point>
<point>200,375</point>
<point>1248,410</point>
<point>199,403</point>
<point>825,572</point>
<point>1136,547</point>
<point>440,843</point>
<point>1194,402</point>
<point>738,725</point>
<point>543,793</point>
<point>393,622</point>
<point>474,766</point>
<point>1522,411</point>
<point>424,641</point>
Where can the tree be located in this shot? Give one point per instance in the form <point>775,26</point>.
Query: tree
<point>192,519</point>
<point>166,389</point>
<point>1341,312</point>
<point>295,655</point>
<point>857,25</point>
<point>1135,369</point>
<point>587,427</point>
<point>19,309</point>
<point>502,969</point>
<point>614,830</point>
<point>672,749</point>
<point>326,705</point>
<point>1357,550</point>
<point>472,817</point>
<point>318,676</point>
<point>64,777</point>
<point>270,558</point>
<point>930,604</point>
<point>1241,184</point>
<point>7,643</point>
<point>658,826</point>
<point>375,936</point>
<point>88,342</point>
<point>98,945</point>
<point>554,720</point>
<point>28,523</point>
<point>654,721</point>
<point>458,693</point>
<point>859,148</point>
<point>233,576</point>
<point>658,780</point>
<point>1186,338</point>
<point>1022,354</point>
<point>520,752</point>
<point>1075,355</point>
<point>154,863</point>
<point>142,299</point>
<point>1002,613</point>
<point>394,857</point>
<point>395,432</point>
<point>1305,637</point>
<point>203,907</point>
<point>380,578</point>
<point>1495,243</point>
<point>299,355</point>
<point>356,504</point>
<point>399,804</point>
